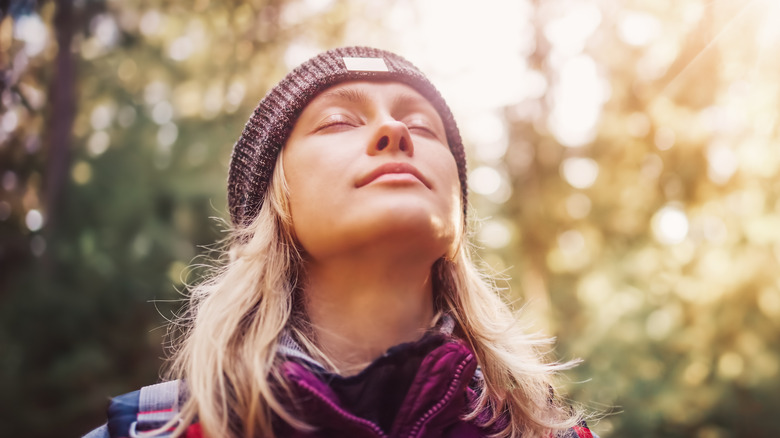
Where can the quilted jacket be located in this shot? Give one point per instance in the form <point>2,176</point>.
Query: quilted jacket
<point>419,389</point>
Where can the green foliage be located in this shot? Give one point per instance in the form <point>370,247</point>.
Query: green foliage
<point>636,206</point>
<point>85,297</point>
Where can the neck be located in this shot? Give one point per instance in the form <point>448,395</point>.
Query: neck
<point>359,307</point>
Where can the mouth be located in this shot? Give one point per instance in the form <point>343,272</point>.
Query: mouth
<point>393,168</point>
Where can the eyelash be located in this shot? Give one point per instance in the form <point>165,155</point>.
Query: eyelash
<point>338,120</point>
<point>335,120</point>
<point>421,126</point>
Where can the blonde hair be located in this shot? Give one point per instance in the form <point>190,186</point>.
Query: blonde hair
<point>227,352</point>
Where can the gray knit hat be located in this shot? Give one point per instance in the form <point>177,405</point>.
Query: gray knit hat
<point>255,152</point>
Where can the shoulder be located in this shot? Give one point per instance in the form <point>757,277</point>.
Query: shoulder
<point>146,409</point>
<point>580,431</point>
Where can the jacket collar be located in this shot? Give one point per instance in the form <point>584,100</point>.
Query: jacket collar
<point>290,348</point>
<point>410,390</point>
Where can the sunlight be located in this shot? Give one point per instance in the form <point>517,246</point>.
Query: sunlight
<point>638,29</point>
<point>31,30</point>
<point>485,180</point>
<point>759,17</point>
<point>578,99</point>
<point>670,225</point>
<point>459,51</point>
<point>769,32</point>
<point>580,173</point>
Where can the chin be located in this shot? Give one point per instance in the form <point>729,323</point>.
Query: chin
<point>409,216</point>
<point>402,225</point>
<point>418,230</point>
<point>405,233</point>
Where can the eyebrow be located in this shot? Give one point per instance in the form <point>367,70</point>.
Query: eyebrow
<point>406,100</point>
<point>350,95</point>
<point>360,97</point>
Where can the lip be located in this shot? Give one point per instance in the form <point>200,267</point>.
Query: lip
<point>391,168</point>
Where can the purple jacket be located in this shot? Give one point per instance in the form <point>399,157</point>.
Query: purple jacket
<point>415,390</point>
<point>418,389</point>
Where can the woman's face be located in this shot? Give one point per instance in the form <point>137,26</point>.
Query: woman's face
<point>368,166</point>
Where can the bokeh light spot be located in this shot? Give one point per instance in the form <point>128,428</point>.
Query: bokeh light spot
<point>81,173</point>
<point>167,135</point>
<point>155,91</point>
<point>664,138</point>
<point>578,98</point>
<point>670,225</point>
<point>580,173</point>
<point>487,131</point>
<point>495,234</point>
<point>10,180</point>
<point>162,112</point>
<point>695,373</point>
<point>100,118</point>
<point>181,48</point>
<point>661,322</point>
<point>769,302</point>
<point>9,121</point>
<point>34,220</point>
<point>105,29</point>
<point>569,33</point>
<point>638,28</point>
<point>484,180</point>
<point>150,22</point>
<point>97,143</point>
<point>722,162</point>
<point>31,29</point>
<point>571,242</point>
<point>730,365</point>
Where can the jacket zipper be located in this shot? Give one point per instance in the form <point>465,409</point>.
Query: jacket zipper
<point>344,414</point>
<point>447,396</point>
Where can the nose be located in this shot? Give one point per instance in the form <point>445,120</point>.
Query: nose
<point>391,136</point>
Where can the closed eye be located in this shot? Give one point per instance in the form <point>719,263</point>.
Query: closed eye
<point>422,128</point>
<point>336,122</point>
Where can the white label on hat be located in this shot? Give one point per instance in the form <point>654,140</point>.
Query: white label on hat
<point>365,64</point>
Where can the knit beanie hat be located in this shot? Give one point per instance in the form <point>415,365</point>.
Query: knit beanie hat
<point>256,151</point>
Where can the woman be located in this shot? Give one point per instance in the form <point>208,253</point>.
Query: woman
<point>348,304</point>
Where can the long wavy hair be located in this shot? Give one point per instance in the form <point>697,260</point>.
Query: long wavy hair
<point>226,347</point>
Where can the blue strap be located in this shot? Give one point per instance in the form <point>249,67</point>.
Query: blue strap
<point>157,405</point>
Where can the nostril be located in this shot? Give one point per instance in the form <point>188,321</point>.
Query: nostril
<point>383,142</point>
<point>403,145</point>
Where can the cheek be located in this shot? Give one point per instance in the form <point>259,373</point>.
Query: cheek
<point>301,188</point>
<point>450,196</point>
<point>306,174</point>
<point>314,197</point>
<point>451,182</point>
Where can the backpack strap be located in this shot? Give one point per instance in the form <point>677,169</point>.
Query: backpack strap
<point>157,404</point>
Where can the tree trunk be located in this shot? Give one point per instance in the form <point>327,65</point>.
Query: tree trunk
<point>63,107</point>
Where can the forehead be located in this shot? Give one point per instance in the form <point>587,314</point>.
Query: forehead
<point>367,92</point>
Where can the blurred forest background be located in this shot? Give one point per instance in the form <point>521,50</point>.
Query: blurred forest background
<point>624,156</point>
